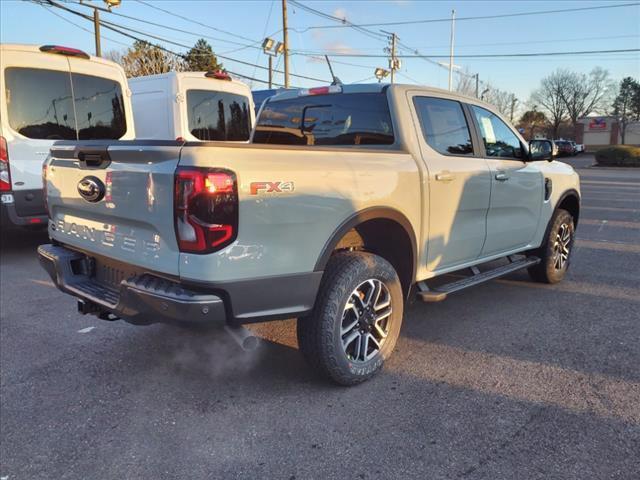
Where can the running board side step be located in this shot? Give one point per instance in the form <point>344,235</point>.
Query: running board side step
<point>439,293</point>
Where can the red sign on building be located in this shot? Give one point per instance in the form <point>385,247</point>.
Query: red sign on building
<point>598,124</point>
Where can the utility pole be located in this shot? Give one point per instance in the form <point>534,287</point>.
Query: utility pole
<point>477,75</point>
<point>394,62</point>
<point>270,72</point>
<point>96,19</point>
<point>513,106</point>
<point>393,56</point>
<point>285,38</point>
<point>96,31</point>
<point>453,22</point>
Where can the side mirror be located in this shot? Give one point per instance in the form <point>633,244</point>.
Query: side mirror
<point>540,150</point>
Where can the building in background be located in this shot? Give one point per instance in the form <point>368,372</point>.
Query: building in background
<point>600,132</point>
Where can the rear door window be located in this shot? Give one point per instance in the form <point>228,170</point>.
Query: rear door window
<point>39,103</point>
<point>99,107</point>
<point>218,116</point>
<point>444,125</point>
<point>324,120</point>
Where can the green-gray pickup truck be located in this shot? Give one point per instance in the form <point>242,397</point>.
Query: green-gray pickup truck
<point>347,201</point>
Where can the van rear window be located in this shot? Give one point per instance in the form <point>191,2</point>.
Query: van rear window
<point>324,120</point>
<point>40,105</point>
<point>218,116</point>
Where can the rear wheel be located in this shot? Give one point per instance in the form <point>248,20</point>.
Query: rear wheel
<point>555,253</point>
<point>356,320</point>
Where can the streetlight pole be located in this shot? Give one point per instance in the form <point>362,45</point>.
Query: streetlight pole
<point>271,49</point>
<point>453,22</point>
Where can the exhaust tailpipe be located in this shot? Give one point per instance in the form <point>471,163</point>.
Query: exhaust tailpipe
<point>243,337</point>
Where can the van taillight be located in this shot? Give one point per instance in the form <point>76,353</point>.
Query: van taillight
<point>60,50</point>
<point>205,209</point>
<point>5,174</point>
<point>44,188</point>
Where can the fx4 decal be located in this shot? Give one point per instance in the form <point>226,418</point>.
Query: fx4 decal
<point>271,187</point>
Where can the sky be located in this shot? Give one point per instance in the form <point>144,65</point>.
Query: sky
<point>245,23</point>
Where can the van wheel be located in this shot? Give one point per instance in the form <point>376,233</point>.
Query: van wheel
<point>555,252</point>
<point>356,319</point>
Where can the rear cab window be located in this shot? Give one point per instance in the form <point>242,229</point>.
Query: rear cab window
<point>219,116</point>
<point>57,105</point>
<point>335,119</point>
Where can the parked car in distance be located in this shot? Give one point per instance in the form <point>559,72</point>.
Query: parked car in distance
<point>192,106</point>
<point>349,199</point>
<point>51,93</point>
<point>565,148</point>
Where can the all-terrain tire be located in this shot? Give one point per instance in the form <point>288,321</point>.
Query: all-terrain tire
<point>558,242</point>
<point>320,336</point>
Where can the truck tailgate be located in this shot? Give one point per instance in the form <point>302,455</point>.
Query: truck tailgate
<point>115,199</point>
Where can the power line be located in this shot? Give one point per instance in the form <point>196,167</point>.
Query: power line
<point>155,7</point>
<point>343,21</point>
<point>48,9</point>
<point>563,40</point>
<point>490,55</point>
<point>111,26</point>
<point>118,28</point>
<point>480,17</point>
<point>175,29</point>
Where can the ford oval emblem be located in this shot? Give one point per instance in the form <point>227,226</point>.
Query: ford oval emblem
<point>91,189</point>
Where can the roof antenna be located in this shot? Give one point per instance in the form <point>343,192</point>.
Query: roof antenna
<point>336,80</point>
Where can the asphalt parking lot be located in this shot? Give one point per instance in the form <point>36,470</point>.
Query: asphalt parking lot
<point>509,380</point>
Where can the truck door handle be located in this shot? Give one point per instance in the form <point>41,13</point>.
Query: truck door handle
<point>444,177</point>
<point>502,177</point>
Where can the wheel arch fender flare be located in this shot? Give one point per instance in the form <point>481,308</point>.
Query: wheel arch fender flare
<point>572,192</point>
<point>362,216</point>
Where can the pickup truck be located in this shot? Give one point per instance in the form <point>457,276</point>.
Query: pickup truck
<point>348,201</point>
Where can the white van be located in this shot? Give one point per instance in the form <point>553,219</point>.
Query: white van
<point>52,93</point>
<point>192,106</point>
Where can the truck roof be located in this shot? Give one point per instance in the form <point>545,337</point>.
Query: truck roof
<point>18,47</point>
<point>183,75</point>
<point>379,87</point>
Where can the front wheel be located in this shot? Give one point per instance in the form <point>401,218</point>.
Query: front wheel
<point>555,252</point>
<point>356,319</point>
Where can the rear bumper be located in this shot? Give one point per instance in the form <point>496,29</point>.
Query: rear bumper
<point>9,216</point>
<point>142,299</point>
<point>145,297</point>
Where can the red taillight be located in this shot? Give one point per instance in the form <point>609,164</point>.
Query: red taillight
<point>5,174</point>
<point>70,52</point>
<point>320,90</point>
<point>205,209</point>
<point>218,74</point>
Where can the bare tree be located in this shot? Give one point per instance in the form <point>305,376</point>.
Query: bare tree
<point>548,98</point>
<point>145,59</point>
<point>466,84</point>
<point>583,94</point>
<point>504,101</point>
